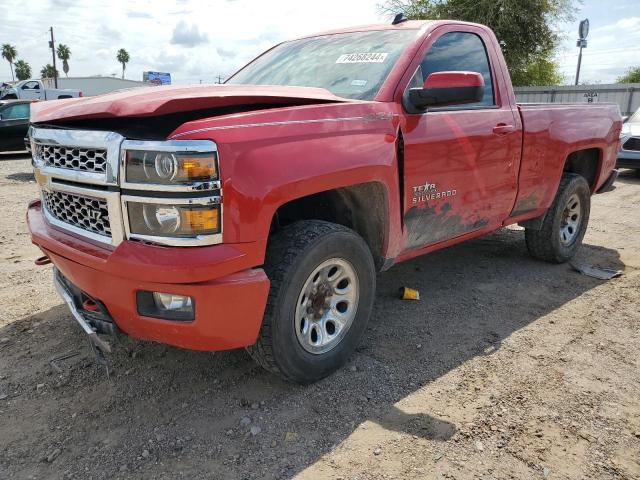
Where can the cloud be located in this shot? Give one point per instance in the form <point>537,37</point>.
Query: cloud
<point>135,14</point>
<point>95,30</point>
<point>188,36</point>
<point>226,54</point>
<point>110,33</point>
<point>63,3</point>
<point>168,62</point>
<point>630,23</point>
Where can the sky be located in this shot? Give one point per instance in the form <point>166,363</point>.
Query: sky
<point>198,40</point>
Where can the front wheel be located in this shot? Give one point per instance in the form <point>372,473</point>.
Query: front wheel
<point>565,223</point>
<point>322,290</point>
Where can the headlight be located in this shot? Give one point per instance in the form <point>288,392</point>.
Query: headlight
<point>172,220</point>
<point>167,168</point>
<point>171,192</point>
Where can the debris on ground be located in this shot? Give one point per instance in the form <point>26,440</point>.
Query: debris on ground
<point>600,273</point>
<point>407,293</point>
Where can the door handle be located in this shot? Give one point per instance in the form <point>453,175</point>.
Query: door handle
<point>503,129</point>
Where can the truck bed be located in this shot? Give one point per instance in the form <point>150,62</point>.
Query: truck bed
<point>551,132</point>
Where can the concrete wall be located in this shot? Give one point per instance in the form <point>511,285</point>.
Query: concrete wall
<point>626,95</point>
<point>91,86</point>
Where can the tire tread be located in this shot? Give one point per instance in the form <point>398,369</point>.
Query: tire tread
<point>539,242</point>
<point>282,251</point>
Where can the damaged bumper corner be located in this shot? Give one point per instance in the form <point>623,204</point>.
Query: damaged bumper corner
<point>84,323</point>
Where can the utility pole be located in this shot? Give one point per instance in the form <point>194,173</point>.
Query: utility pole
<point>219,79</point>
<point>52,46</point>
<point>583,31</point>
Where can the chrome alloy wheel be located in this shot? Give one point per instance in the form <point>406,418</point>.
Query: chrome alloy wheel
<point>326,306</point>
<point>571,218</point>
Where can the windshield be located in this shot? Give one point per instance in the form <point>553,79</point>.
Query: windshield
<point>352,65</point>
<point>635,118</point>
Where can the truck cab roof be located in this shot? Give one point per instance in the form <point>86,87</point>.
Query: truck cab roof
<point>405,25</point>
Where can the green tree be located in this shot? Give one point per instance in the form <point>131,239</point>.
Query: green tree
<point>525,29</point>
<point>540,71</point>
<point>123,58</point>
<point>64,53</point>
<point>9,53</point>
<point>48,71</point>
<point>23,70</point>
<point>632,76</point>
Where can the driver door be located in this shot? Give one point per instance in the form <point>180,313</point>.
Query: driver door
<point>461,162</point>
<point>31,90</point>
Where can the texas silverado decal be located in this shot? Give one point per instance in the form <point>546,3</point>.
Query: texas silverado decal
<point>429,191</point>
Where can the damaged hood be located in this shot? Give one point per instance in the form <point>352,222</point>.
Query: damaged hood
<point>154,101</point>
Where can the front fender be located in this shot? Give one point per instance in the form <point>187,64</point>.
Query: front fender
<point>272,158</point>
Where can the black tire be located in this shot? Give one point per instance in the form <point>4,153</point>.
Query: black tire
<point>545,244</point>
<point>292,256</point>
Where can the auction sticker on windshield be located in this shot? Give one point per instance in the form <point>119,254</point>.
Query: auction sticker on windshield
<point>362,58</point>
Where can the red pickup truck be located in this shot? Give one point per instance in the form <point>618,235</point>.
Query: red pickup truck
<point>257,213</point>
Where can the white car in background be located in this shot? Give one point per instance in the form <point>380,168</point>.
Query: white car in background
<point>35,90</point>
<point>629,155</point>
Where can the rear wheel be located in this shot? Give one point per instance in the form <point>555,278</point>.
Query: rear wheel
<point>322,290</point>
<point>565,223</point>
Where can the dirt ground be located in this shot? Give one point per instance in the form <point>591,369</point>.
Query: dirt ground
<point>507,368</point>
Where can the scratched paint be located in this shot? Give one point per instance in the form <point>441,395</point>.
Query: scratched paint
<point>526,204</point>
<point>429,224</point>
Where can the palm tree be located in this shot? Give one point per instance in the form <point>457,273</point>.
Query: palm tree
<point>48,71</point>
<point>123,58</point>
<point>63,54</point>
<point>23,70</point>
<point>10,53</point>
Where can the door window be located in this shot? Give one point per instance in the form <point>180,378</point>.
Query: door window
<point>458,51</point>
<point>15,112</point>
<point>31,86</point>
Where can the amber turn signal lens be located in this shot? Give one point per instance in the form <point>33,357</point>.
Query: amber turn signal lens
<point>198,167</point>
<point>175,221</point>
<point>202,220</point>
<point>167,168</point>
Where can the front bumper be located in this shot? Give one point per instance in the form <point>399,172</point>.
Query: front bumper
<point>229,295</point>
<point>628,159</point>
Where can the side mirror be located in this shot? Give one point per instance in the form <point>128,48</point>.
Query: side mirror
<point>446,88</point>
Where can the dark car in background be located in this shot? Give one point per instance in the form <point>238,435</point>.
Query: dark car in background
<point>629,155</point>
<point>14,124</point>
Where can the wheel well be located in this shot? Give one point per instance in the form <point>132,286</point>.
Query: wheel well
<point>60,97</point>
<point>585,163</point>
<point>362,207</point>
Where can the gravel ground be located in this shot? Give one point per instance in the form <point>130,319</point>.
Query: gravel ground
<point>507,368</point>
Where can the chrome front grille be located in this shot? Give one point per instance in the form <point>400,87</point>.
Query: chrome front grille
<point>72,158</point>
<point>87,213</point>
<point>81,176</point>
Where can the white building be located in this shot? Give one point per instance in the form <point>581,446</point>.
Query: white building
<point>97,85</point>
